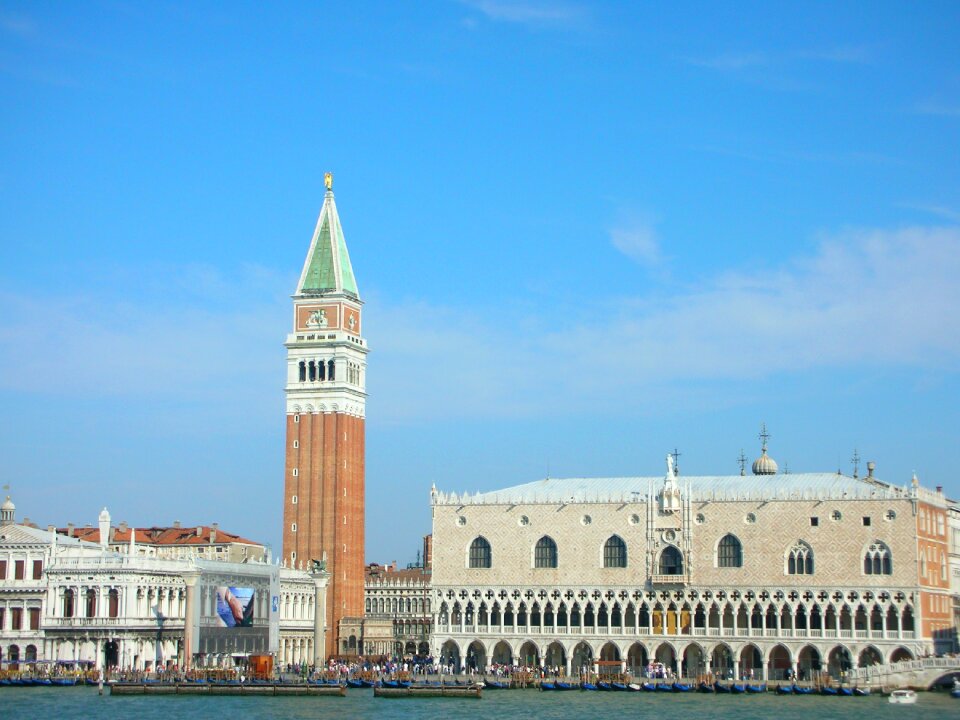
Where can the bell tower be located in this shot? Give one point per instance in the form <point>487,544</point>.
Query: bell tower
<point>323,503</point>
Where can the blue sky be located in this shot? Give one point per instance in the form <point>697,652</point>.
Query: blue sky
<point>586,234</point>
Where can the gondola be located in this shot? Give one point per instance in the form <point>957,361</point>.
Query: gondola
<point>564,686</point>
<point>64,682</point>
<point>681,687</point>
<point>846,691</point>
<point>828,690</point>
<point>721,688</point>
<point>547,686</point>
<point>618,686</point>
<point>354,683</point>
<point>802,690</point>
<point>494,685</point>
<point>648,687</point>
<point>784,690</point>
<point>588,686</point>
<point>664,687</point>
<point>633,687</point>
<point>756,688</point>
<point>863,692</point>
<point>603,686</point>
<point>737,688</point>
<point>705,688</point>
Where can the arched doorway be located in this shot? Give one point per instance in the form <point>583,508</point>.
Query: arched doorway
<point>901,654</point>
<point>666,655</point>
<point>870,656</point>
<point>637,659</point>
<point>582,658</point>
<point>410,648</point>
<point>555,657</point>
<point>751,663</point>
<point>694,661</point>
<point>808,662</point>
<point>450,655</point>
<point>30,654</point>
<point>839,662</point>
<point>529,655</point>
<point>721,661</point>
<point>423,649</point>
<point>13,657</point>
<point>779,663</point>
<point>609,652</point>
<point>111,654</point>
<point>476,657</point>
<point>502,654</point>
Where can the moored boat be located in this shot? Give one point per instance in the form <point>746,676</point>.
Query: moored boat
<point>903,697</point>
<point>681,687</point>
<point>564,685</point>
<point>547,686</point>
<point>721,688</point>
<point>828,690</point>
<point>756,688</point>
<point>705,687</point>
<point>648,687</point>
<point>588,686</point>
<point>737,688</point>
<point>495,685</point>
<point>845,691</point>
<point>861,692</point>
<point>784,690</point>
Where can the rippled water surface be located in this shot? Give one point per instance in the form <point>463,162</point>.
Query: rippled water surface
<point>66,703</point>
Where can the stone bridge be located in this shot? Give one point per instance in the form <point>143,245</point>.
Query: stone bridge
<point>919,674</point>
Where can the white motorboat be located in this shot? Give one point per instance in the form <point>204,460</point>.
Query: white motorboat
<point>903,697</point>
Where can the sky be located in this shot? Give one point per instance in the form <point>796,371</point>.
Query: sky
<point>586,234</point>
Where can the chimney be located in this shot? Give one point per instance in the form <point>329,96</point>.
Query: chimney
<point>69,529</point>
<point>51,528</point>
<point>939,489</point>
<point>871,466</point>
<point>199,530</point>
<point>113,534</point>
<point>213,534</point>
<point>176,524</point>
<point>123,526</point>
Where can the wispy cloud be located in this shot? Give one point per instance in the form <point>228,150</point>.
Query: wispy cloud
<point>529,12</point>
<point>17,24</point>
<point>941,211</point>
<point>932,107</point>
<point>639,242</point>
<point>867,299</point>
<point>852,54</point>
<point>730,61</point>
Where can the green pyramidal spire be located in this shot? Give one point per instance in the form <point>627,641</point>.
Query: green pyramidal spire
<point>327,269</point>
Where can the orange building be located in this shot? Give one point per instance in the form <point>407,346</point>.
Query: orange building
<point>933,573</point>
<point>323,504</point>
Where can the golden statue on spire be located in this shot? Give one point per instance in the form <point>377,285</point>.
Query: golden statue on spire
<point>328,180</point>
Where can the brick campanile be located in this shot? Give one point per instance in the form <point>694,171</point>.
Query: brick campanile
<point>323,501</point>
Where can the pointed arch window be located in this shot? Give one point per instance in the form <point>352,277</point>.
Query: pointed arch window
<point>878,560</point>
<point>545,553</point>
<point>615,552</point>
<point>800,559</point>
<point>480,555</point>
<point>729,552</point>
<point>671,561</point>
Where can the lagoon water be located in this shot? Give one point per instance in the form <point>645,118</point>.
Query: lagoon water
<point>55,703</point>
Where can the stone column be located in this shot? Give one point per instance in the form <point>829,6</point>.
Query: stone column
<point>189,620</point>
<point>320,579</point>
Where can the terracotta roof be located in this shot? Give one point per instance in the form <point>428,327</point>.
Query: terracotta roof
<point>162,535</point>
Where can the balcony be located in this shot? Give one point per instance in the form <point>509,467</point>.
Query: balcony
<point>668,579</point>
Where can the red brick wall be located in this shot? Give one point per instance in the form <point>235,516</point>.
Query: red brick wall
<point>329,513</point>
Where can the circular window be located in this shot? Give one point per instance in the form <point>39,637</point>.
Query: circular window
<point>634,519</point>
<point>586,519</point>
<point>836,516</point>
<point>891,515</point>
<point>524,520</point>
<point>461,520</point>
<point>750,519</point>
<point>699,519</point>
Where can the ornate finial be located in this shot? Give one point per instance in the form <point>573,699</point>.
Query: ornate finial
<point>764,436</point>
<point>743,463</point>
<point>328,180</point>
<point>856,462</point>
<point>676,461</point>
